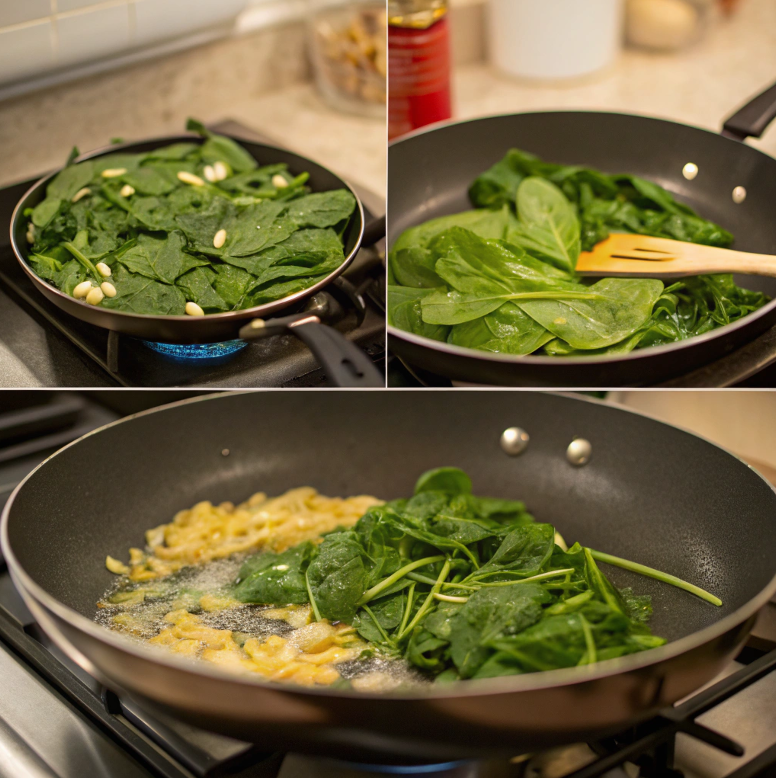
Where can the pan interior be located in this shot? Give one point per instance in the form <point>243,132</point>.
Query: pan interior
<point>430,173</point>
<point>651,493</point>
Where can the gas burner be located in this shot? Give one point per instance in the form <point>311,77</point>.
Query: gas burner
<point>197,350</point>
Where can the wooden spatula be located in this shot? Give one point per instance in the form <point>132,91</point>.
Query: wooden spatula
<point>643,256</point>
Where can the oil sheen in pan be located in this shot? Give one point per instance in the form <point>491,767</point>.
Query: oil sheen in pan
<point>123,608</point>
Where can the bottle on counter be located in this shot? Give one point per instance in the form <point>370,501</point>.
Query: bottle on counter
<point>418,65</point>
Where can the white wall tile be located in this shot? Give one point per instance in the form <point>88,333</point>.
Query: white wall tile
<point>72,5</point>
<point>25,51</point>
<point>159,19</point>
<point>93,34</point>
<point>17,11</point>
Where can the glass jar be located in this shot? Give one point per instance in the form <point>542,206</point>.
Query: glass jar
<point>348,51</point>
<point>418,65</point>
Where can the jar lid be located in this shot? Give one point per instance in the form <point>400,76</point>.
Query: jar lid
<point>415,13</point>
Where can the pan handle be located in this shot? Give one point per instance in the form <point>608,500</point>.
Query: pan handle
<point>750,120</point>
<point>344,363</point>
<point>374,232</point>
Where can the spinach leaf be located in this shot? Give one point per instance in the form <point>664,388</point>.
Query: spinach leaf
<point>160,258</point>
<point>276,579</point>
<point>507,330</point>
<point>620,307</point>
<point>197,285</point>
<point>414,254</point>
<point>489,615</point>
<point>338,576</point>
<point>548,227</point>
<point>139,294</point>
<point>322,209</point>
<point>405,312</point>
<point>451,480</point>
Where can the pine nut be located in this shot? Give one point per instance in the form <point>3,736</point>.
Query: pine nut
<point>210,174</point>
<point>192,309</point>
<point>127,190</point>
<point>278,181</point>
<point>31,233</point>
<point>190,178</point>
<point>219,239</point>
<point>108,289</point>
<point>112,172</point>
<point>220,170</point>
<point>103,269</point>
<point>81,193</point>
<point>95,296</point>
<point>82,289</point>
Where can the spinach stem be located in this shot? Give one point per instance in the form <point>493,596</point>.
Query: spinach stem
<point>577,599</point>
<point>85,261</point>
<point>370,594</point>
<point>591,655</point>
<point>378,625</point>
<point>650,572</point>
<point>449,598</point>
<point>427,603</point>
<point>420,578</point>
<point>314,605</point>
<point>539,577</point>
<point>408,609</point>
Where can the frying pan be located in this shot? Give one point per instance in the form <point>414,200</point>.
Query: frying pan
<point>430,172</point>
<point>650,492</point>
<point>344,363</point>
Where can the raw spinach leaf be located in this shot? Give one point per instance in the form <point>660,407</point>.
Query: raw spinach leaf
<point>620,307</point>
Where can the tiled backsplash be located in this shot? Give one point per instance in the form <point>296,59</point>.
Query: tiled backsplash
<point>42,40</point>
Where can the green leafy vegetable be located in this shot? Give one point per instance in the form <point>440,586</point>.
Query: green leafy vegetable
<point>462,586</point>
<point>501,278</point>
<point>153,219</point>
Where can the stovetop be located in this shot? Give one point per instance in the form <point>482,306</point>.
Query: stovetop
<point>55,720</point>
<point>40,345</point>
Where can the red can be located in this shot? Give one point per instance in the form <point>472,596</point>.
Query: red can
<point>418,65</point>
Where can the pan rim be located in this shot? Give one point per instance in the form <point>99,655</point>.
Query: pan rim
<point>544,361</point>
<point>529,682</point>
<point>244,313</point>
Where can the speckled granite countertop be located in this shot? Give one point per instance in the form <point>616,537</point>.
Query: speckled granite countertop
<point>701,85</point>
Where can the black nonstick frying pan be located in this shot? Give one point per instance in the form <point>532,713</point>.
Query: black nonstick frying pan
<point>344,363</point>
<point>430,172</point>
<point>650,492</point>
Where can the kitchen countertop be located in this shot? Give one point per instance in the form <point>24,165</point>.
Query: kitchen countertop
<point>239,78</point>
<point>701,85</point>
<point>353,146</point>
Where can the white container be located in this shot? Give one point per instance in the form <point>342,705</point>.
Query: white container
<point>554,39</point>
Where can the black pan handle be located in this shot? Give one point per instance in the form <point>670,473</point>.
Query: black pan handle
<point>374,232</point>
<point>751,120</point>
<point>345,363</point>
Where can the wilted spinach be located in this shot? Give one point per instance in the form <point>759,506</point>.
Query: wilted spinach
<point>501,278</point>
<point>461,586</point>
<point>152,218</point>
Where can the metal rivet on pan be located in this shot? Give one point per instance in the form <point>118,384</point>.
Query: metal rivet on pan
<point>739,195</point>
<point>225,452</point>
<point>514,441</point>
<point>579,451</point>
<point>690,170</point>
